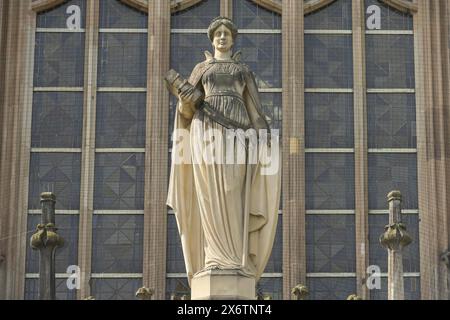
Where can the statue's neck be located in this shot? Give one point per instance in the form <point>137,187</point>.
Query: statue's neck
<point>218,55</point>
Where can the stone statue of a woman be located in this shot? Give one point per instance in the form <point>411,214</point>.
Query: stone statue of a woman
<point>226,212</point>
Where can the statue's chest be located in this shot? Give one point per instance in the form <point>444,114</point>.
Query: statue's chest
<point>223,77</point>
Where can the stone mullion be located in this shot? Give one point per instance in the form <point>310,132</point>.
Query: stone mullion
<point>361,161</point>
<point>226,8</point>
<point>156,156</point>
<point>431,61</point>
<point>88,148</point>
<point>293,198</point>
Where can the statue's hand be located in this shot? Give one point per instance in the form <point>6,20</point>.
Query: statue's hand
<point>186,94</point>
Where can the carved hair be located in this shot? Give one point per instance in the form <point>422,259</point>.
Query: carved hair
<point>217,22</point>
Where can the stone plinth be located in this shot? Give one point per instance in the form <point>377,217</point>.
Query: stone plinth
<point>222,285</point>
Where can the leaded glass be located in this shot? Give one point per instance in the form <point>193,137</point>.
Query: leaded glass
<point>187,51</point>
<point>272,287</point>
<point>275,263</point>
<point>411,285</point>
<point>390,61</point>
<point>115,289</point>
<point>116,14</point>
<point>391,120</point>
<point>58,173</point>
<point>196,17</point>
<point>176,288</point>
<point>328,61</point>
<point>57,16</point>
<point>329,120</point>
<point>335,16</point>
<point>389,172</point>
<point>391,19</point>
<point>379,255</point>
<point>262,53</point>
<point>120,120</point>
<point>67,255</point>
<point>175,259</point>
<point>248,15</point>
<point>117,243</point>
<point>119,181</point>
<point>330,243</point>
<point>122,60</point>
<point>57,120</point>
<point>330,288</point>
<point>62,292</point>
<point>330,182</point>
<point>59,59</point>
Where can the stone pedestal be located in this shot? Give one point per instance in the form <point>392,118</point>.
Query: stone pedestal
<point>222,285</point>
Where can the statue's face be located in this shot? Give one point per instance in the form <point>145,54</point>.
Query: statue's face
<point>223,39</point>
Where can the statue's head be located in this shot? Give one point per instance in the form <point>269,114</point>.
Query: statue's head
<point>222,32</point>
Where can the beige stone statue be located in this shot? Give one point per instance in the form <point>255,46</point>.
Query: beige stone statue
<point>226,212</point>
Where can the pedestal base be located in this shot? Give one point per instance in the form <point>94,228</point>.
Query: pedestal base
<point>222,285</point>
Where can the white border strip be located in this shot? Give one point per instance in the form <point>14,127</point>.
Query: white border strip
<point>116,89</point>
<point>328,90</point>
<point>118,212</point>
<point>328,32</point>
<point>120,150</point>
<point>331,275</point>
<point>329,150</point>
<point>56,150</point>
<point>116,275</point>
<point>57,212</point>
<point>393,90</point>
<point>270,90</point>
<point>184,275</point>
<point>330,212</point>
<point>393,150</point>
<point>60,30</point>
<point>58,89</point>
<point>390,32</point>
<point>386,212</point>
<point>57,275</point>
<point>124,30</point>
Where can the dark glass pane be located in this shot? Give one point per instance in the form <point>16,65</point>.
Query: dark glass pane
<point>116,14</point>
<point>196,17</point>
<point>176,288</point>
<point>330,182</point>
<point>330,243</point>
<point>389,172</point>
<point>329,120</point>
<point>62,292</point>
<point>411,285</point>
<point>328,61</point>
<point>59,60</point>
<point>57,120</point>
<point>115,289</point>
<point>392,120</point>
<point>121,120</point>
<point>56,172</point>
<point>122,60</point>
<point>67,255</point>
<point>272,287</point>
<point>262,53</point>
<point>390,61</point>
<point>330,288</point>
<point>249,15</point>
<point>335,16</point>
<point>57,17</point>
<point>119,181</point>
<point>391,19</point>
<point>272,107</point>
<point>175,259</point>
<point>187,51</point>
<point>117,243</point>
<point>379,255</point>
<point>275,264</point>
